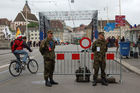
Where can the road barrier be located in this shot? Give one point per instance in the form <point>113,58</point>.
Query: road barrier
<point>67,62</point>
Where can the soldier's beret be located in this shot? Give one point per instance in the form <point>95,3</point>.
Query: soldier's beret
<point>101,33</point>
<point>50,32</point>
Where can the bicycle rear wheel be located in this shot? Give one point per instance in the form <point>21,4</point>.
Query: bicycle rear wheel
<point>15,68</point>
<point>32,66</point>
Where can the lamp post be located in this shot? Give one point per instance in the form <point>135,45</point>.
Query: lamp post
<point>120,38</point>
<point>27,32</point>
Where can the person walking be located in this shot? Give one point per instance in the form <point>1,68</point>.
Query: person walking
<point>138,44</point>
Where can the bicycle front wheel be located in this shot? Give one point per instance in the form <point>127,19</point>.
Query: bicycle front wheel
<point>15,68</point>
<point>32,66</point>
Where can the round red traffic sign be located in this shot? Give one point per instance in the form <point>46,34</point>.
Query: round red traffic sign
<point>85,42</point>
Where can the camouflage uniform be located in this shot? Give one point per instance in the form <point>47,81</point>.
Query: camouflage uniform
<point>49,57</point>
<point>99,57</point>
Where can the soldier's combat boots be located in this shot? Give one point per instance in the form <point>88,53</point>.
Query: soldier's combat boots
<point>47,83</point>
<point>104,82</point>
<point>53,82</point>
<point>94,82</point>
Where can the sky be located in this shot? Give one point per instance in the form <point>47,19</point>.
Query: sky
<point>10,8</point>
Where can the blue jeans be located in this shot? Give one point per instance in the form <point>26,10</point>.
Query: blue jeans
<point>18,52</point>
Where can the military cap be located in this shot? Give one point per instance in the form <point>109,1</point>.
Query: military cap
<point>101,33</point>
<point>49,32</point>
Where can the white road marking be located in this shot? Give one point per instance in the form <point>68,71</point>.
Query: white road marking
<point>6,65</point>
<point>3,66</point>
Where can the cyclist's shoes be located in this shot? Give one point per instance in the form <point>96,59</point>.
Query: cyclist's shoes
<point>30,50</point>
<point>23,67</point>
<point>25,63</point>
<point>17,70</point>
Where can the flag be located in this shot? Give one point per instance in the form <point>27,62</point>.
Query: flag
<point>131,26</point>
<point>18,32</point>
<point>109,27</point>
<point>96,34</point>
<point>135,26</point>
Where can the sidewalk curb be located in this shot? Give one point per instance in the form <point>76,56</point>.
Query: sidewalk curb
<point>130,67</point>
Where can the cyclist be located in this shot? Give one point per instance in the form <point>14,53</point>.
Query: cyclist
<point>17,48</point>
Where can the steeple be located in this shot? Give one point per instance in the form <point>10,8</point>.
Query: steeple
<point>26,7</point>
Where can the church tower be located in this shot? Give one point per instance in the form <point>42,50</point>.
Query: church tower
<point>26,8</point>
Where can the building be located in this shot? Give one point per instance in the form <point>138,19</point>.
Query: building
<point>34,34</point>
<point>67,35</point>
<point>4,23</point>
<point>78,33</point>
<point>57,27</point>
<point>25,17</point>
<point>102,24</point>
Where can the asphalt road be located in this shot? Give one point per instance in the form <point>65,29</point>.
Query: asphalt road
<point>29,83</point>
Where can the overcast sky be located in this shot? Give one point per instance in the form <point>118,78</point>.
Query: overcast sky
<point>131,8</point>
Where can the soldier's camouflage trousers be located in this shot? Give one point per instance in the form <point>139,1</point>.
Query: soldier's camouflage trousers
<point>49,66</point>
<point>96,66</point>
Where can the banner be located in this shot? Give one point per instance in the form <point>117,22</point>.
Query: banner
<point>120,20</point>
<point>18,33</point>
<point>109,27</point>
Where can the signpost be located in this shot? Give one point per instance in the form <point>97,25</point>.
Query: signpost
<point>85,43</point>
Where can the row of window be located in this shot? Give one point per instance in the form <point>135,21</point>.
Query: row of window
<point>34,38</point>
<point>34,34</point>
<point>20,23</point>
<point>33,31</point>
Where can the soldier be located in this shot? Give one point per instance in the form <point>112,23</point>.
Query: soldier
<point>47,50</point>
<point>99,48</point>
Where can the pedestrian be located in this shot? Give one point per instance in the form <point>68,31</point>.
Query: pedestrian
<point>117,44</point>
<point>123,39</point>
<point>138,44</point>
<point>34,44</point>
<point>99,48</point>
<point>39,43</point>
<point>47,50</point>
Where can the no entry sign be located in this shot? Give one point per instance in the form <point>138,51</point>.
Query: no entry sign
<point>85,42</point>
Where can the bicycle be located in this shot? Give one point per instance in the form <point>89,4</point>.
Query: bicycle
<point>16,67</point>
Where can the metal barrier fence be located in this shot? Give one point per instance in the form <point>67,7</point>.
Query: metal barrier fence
<point>67,62</point>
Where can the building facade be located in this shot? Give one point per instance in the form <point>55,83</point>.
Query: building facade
<point>102,24</point>
<point>4,23</point>
<point>24,19</point>
<point>58,27</point>
<point>34,34</point>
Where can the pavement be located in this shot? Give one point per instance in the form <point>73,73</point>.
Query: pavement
<point>34,83</point>
<point>132,64</point>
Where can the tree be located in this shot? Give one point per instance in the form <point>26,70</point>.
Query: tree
<point>33,24</point>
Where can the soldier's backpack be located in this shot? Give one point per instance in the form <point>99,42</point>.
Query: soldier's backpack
<point>135,54</point>
<point>80,74</point>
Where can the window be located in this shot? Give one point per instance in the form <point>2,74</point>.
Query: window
<point>36,38</point>
<point>35,34</point>
<point>32,38</point>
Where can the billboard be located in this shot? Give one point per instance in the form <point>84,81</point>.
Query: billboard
<point>120,20</point>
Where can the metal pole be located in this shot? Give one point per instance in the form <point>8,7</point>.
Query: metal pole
<point>84,64</point>
<point>120,38</point>
<point>101,25</point>
<point>107,15</point>
<point>27,32</point>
